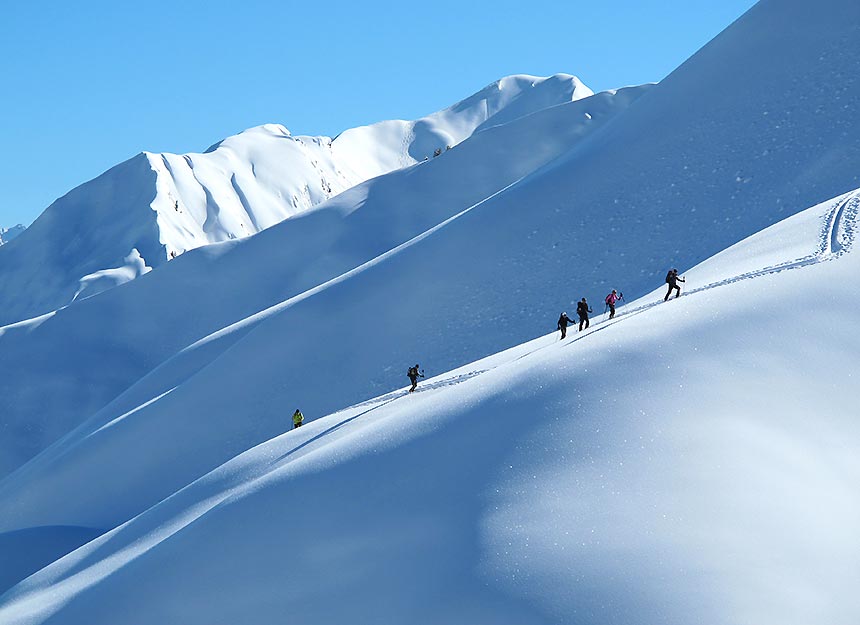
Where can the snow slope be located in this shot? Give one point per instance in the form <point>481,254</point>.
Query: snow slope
<point>154,207</point>
<point>663,470</point>
<point>659,468</point>
<point>614,209</point>
<point>136,328</point>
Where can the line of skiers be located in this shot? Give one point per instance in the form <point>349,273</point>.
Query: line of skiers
<point>582,311</point>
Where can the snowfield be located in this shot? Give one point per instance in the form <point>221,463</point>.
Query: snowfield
<point>609,476</point>
<point>689,461</point>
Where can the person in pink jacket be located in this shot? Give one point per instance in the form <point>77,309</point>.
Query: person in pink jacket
<point>610,300</point>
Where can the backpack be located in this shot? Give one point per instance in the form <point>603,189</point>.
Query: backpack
<point>669,278</point>
<point>412,372</point>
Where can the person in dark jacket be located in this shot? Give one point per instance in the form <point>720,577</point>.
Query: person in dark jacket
<point>582,310</point>
<point>672,280</point>
<point>563,322</point>
<point>413,376</point>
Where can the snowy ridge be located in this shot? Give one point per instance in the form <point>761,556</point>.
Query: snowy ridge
<point>155,207</point>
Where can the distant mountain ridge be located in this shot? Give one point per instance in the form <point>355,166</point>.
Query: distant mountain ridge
<point>156,206</point>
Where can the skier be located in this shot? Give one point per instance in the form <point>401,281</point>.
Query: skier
<point>563,321</point>
<point>298,419</point>
<point>610,300</point>
<point>672,280</point>
<point>582,310</point>
<point>413,376</point>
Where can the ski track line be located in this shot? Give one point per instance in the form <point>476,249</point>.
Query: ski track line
<point>378,402</point>
<point>402,392</point>
<point>836,238</point>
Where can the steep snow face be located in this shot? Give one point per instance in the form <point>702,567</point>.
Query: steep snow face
<point>7,234</point>
<point>134,329</point>
<point>158,206</point>
<point>661,467</point>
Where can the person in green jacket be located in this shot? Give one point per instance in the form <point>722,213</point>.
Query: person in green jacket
<point>298,419</point>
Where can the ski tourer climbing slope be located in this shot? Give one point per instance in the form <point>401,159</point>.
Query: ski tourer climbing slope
<point>672,280</point>
<point>611,300</point>
<point>563,322</point>
<point>413,375</point>
<point>582,310</point>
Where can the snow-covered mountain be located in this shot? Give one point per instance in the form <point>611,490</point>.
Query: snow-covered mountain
<point>7,234</point>
<point>605,478</point>
<point>688,461</point>
<point>154,207</point>
<point>539,483</point>
<point>143,324</point>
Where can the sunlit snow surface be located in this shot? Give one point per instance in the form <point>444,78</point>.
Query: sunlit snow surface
<point>664,466</point>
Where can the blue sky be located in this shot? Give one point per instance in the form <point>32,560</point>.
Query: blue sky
<point>89,84</point>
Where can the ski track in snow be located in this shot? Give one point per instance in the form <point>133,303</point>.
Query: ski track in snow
<point>402,392</point>
<point>836,238</point>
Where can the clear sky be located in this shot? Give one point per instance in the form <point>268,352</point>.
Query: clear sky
<point>88,84</point>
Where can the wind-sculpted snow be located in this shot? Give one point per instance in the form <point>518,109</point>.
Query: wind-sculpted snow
<point>661,467</point>
<point>159,206</point>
